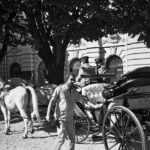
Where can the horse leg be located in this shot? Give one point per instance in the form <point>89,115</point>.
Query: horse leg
<point>32,119</point>
<point>9,118</point>
<point>6,119</point>
<point>26,120</point>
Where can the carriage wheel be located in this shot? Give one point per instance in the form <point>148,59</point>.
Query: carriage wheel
<point>82,128</point>
<point>122,130</point>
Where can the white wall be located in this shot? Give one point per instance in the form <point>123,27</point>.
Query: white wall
<point>134,54</point>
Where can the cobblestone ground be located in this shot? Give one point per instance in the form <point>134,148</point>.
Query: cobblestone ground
<point>40,140</point>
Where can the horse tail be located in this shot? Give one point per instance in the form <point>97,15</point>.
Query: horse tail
<point>34,102</point>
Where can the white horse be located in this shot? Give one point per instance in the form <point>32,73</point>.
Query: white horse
<point>22,99</point>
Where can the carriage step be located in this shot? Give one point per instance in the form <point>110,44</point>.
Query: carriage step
<point>96,138</point>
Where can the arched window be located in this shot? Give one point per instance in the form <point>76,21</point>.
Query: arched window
<point>74,65</point>
<point>115,65</point>
<point>15,70</point>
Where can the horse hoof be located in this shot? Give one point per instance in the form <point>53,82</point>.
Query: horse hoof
<point>6,133</point>
<point>9,130</point>
<point>32,131</point>
<point>25,137</point>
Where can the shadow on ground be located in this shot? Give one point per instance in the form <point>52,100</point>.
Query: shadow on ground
<point>45,126</point>
<point>14,119</point>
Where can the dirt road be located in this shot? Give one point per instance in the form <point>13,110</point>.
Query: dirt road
<point>40,140</point>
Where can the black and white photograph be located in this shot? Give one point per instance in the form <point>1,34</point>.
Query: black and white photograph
<point>74,74</point>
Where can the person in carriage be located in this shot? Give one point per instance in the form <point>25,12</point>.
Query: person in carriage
<point>91,88</point>
<point>85,69</point>
<point>100,68</point>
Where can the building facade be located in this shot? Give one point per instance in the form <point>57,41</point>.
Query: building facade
<point>121,54</point>
<point>21,61</point>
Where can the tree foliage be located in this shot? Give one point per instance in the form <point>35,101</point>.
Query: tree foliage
<point>12,33</point>
<point>51,25</point>
<point>54,24</point>
<point>133,17</point>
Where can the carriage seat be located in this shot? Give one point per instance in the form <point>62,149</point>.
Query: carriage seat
<point>94,92</point>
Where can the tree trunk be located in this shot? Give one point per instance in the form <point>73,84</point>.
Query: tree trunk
<point>55,73</point>
<point>55,64</point>
<point>3,51</point>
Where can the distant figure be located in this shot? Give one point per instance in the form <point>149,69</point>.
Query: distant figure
<point>85,69</point>
<point>101,69</point>
<point>100,66</point>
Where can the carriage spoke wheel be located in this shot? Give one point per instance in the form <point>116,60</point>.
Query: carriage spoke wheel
<point>122,130</point>
<point>82,128</point>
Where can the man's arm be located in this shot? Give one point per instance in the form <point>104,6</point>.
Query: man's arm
<point>52,103</point>
<point>50,110</point>
<point>88,103</point>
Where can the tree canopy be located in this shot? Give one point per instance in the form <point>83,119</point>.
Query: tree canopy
<point>132,17</point>
<point>51,25</point>
<point>10,32</point>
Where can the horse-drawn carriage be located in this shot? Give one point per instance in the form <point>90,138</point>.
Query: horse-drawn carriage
<point>127,114</point>
<point>126,111</point>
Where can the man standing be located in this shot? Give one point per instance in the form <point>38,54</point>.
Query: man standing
<point>64,99</point>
